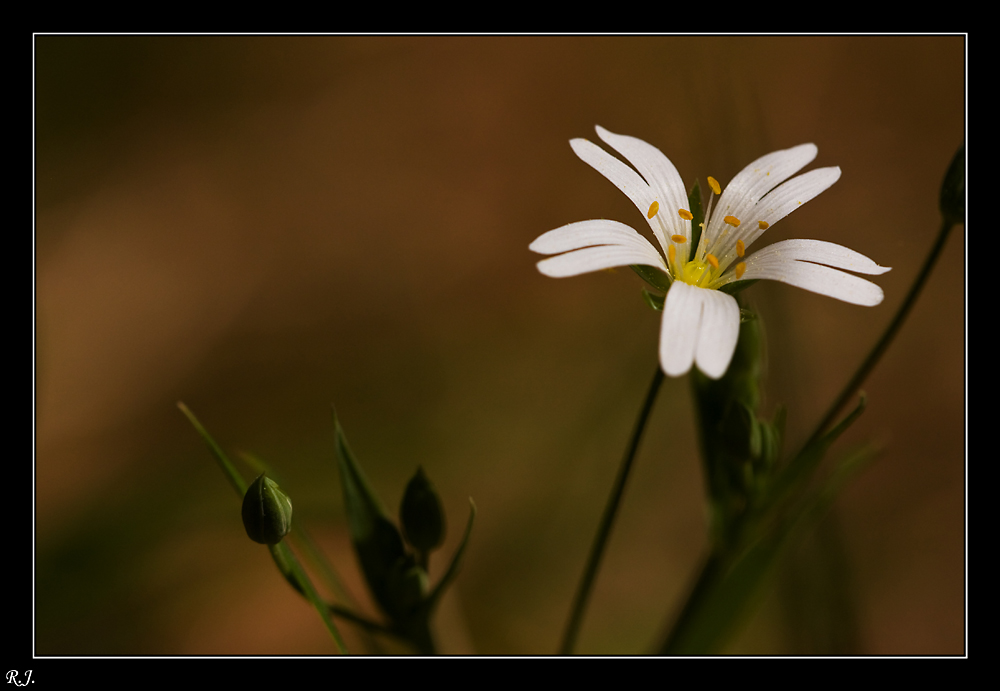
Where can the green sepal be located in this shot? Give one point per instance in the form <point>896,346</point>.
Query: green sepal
<point>953,189</point>
<point>421,515</point>
<point>653,276</point>
<point>653,300</point>
<point>737,286</point>
<point>376,539</point>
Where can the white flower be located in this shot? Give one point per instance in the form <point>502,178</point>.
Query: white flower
<point>701,323</point>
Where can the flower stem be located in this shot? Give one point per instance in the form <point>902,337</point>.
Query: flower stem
<point>883,343</point>
<point>607,520</point>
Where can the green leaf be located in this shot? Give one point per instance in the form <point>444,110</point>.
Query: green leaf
<point>722,599</point>
<point>456,561</point>
<point>296,575</point>
<point>800,469</point>
<point>228,469</point>
<point>376,539</point>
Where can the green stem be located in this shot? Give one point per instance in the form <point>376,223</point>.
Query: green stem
<point>607,520</point>
<point>876,353</point>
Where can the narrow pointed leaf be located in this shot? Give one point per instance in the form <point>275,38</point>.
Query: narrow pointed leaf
<point>228,469</point>
<point>455,561</point>
<point>293,572</point>
<point>376,539</point>
<point>800,468</point>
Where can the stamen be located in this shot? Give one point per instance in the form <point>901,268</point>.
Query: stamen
<point>714,184</point>
<point>733,221</point>
<point>763,225</point>
<point>741,249</point>
<point>671,254</point>
<point>740,268</point>
<point>678,238</point>
<point>653,208</point>
<point>710,258</point>
<point>685,214</point>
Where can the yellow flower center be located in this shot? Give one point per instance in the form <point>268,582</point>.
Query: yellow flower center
<point>697,273</point>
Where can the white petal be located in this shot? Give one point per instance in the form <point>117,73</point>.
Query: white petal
<point>754,181</point>
<point>820,252</point>
<point>777,204</point>
<point>623,177</point>
<point>659,172</point>
<point>786,198</point>
<point>814,277</point>
<point>587,234</point>
<point>770,170</point>
<point>589,259</point>
<point>719,331</point>
<point>679,328</point>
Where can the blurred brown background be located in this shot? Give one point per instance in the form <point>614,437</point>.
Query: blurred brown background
<point>265,226</point>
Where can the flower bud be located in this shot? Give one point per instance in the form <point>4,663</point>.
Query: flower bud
<point>421,515</point>
<point>267,512</point>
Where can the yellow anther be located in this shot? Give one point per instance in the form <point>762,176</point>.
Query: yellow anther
<point>653,208</point>
<point>763,225</point>
<point>685,214</point>
<point>671,254</point>
<point>714,184</point>
<point>741,249</point>
<point>710,258</point>
<point>678,238</point>
<point>733,221</point>
<point>740,268</point>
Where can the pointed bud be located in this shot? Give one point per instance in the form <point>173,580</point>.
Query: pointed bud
<point>421,515</point>
<point>267,512</point>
